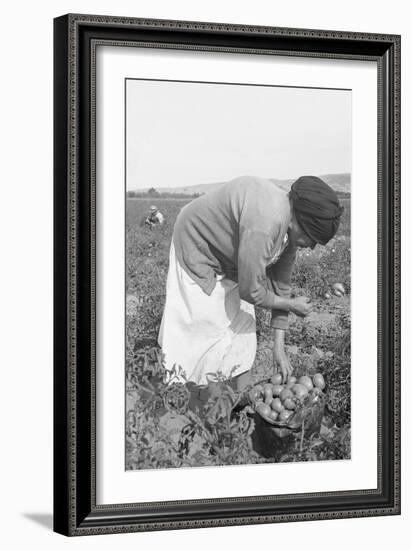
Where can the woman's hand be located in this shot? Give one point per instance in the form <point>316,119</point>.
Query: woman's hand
<point>301,306</point>
<point>280,359</point>
<point>282,363</point>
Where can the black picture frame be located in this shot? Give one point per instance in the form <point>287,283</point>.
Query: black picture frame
<point>75,509</point>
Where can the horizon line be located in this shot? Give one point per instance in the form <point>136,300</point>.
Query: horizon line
<point>216,182</point>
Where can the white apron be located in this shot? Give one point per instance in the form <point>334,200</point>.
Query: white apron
<point>206,334</point>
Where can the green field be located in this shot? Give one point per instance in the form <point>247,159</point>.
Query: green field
<point>320,343</point>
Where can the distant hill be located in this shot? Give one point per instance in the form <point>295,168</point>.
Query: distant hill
<point>339,182</point>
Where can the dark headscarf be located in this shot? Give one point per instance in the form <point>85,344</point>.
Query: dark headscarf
<point>316,207</point>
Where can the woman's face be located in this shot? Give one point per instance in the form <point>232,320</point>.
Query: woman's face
<point>298,237</point>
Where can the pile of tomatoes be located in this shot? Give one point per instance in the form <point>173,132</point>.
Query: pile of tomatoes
<point>277,403</point>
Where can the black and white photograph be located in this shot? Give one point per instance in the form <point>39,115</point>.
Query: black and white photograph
<point>237,274</point>
<point>227,275</point>
<point>203,254</point>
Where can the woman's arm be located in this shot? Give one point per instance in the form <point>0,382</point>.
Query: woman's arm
<point>280,359</point>
<point>253,256</point>
<point>279,277</point>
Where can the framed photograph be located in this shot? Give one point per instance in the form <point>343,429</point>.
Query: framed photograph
<point>227,274</point>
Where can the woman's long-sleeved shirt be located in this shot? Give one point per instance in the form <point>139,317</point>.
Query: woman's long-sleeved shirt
<point>236,230</point>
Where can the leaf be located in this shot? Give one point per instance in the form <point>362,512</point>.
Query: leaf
<point>317,444</point>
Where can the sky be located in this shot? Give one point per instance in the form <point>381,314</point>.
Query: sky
<point>181,133</point>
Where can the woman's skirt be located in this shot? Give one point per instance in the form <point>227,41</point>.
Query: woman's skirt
<point>203,335</point>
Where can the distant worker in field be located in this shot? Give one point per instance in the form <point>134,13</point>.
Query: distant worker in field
<point>155,217</point>
<point>232,249</point>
